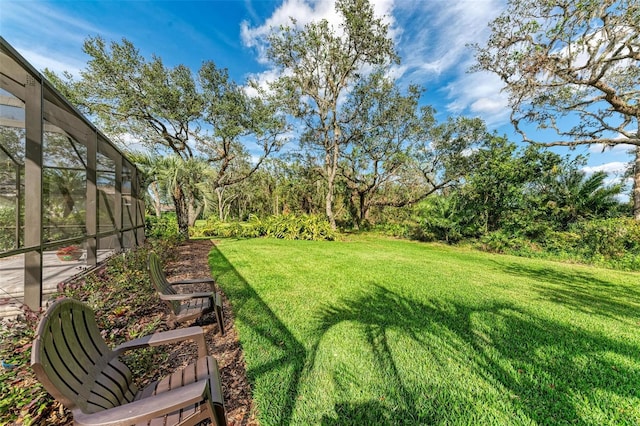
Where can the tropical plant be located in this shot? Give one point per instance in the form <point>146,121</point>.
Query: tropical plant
<point>285,226</point>
<point>576,196</point>
<point>162,227</point>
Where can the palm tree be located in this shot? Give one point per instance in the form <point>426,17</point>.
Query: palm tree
<point>148,166</point>
<point>185,182</point>
<point>578,196</point>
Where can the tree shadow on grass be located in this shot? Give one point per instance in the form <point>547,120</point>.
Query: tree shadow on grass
<point>552,373</point>
<point>285,356</point>
<point>582,291</point>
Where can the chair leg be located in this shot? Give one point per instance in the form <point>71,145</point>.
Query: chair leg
<point>219,314</point>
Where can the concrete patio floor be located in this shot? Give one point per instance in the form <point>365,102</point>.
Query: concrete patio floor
<point>54,271</point>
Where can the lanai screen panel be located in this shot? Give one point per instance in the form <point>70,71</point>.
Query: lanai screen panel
<point>128,218</point>
<point>12,145</point>
<point>64,182</point>
<point>106,184</point>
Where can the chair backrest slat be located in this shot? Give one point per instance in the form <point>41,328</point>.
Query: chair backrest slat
<point>160,282</point>
<point>115,378</point>
<point>61,372</point>
<point>101,398</point>
<point>72,347</point>
<point>70,358</point>
<point>158,276</point>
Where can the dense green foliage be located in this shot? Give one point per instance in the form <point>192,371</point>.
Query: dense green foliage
<point>287,226</point>
<point>163,227</point>
<point>7,228</point>
<point>379,331</point>
<point>612,243</point>
<point>529,202</point>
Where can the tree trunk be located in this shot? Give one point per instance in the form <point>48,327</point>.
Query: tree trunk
<point>364,209</point>
<point>636,184</point>
<point>276,204</point>
<point>331,160</point>
<point>182,212</point>
<point>354,208</point>
<point>331,179</point>
<point>194,212</point>
<point>219,193</point>
<point>156,198</point>
<point>329,204</point>
<point>68,201</point>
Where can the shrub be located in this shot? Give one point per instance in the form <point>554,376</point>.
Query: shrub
<point>165,226</point>
<point>508,243</point>
<point>611,238</point>
<point>613,243</point>
<point>287,226</point>
<point>610,242</point>
<point>7,228</point>
<point>405,229</point>
<point>298,227</point>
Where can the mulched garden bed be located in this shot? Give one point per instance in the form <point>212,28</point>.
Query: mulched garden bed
<point>226,349</point>
<point>134,313</point>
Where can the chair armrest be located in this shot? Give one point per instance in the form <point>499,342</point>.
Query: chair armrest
<point>185,296</point>
<point>210,281</point>
<point>194,281</point>
<point>163,338</point>
<point>147,408</point>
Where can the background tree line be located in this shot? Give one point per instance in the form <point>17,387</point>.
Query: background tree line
<point>335,135</point>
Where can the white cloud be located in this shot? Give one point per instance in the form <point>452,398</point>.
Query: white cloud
<point>435,47</point>
<point>40,61</point>
<point>437,32</point>
<point>618,148</point>
<point>488,105</point>
<point>614,167</point>
<point>262,80</point>
<point>478,94</point>
<point>303,12</point>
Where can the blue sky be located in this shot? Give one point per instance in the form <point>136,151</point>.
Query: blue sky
<point>431,37</point>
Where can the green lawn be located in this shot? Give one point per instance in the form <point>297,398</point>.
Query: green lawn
<point>374,330</point>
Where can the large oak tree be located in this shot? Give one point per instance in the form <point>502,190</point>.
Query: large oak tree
<point>319,64</point>
<point>171,110</point>
<point>572,67</point>
<point>396,154</point>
